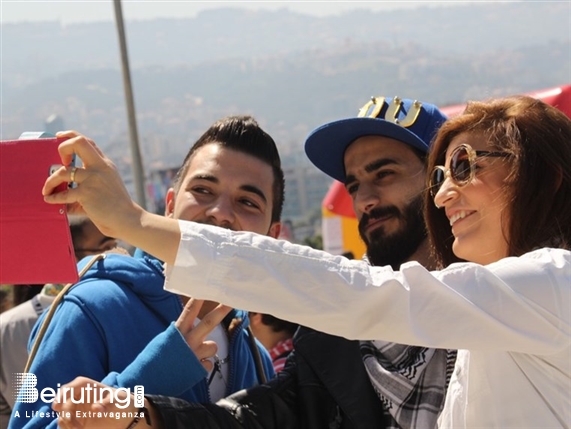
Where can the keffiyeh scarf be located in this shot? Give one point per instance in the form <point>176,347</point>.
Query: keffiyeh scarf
<point>410,381</point>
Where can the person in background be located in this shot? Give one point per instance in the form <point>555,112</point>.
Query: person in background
<point>276,335</point>
<point>87,239</point>
<point>23,293</point>
<point>31,300</point>
<point>6,298</point>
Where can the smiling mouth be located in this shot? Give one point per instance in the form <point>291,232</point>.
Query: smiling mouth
<point>462,214</point>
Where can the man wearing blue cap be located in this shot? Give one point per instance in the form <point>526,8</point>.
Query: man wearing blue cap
<point>331,382</point>
<point>379,156</point>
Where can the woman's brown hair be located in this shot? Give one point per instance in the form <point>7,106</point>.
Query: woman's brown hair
<point>538,138</point>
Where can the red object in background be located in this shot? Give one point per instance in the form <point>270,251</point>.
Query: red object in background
<point>35,240</point>
<point>338,201</point>
<point>559,96</point>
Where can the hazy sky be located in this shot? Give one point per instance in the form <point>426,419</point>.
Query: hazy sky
<point>74,11</point>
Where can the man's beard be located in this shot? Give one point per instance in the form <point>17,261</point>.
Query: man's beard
<point>395,248</point>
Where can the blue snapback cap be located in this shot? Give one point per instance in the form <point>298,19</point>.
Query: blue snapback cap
<point>409,121</point>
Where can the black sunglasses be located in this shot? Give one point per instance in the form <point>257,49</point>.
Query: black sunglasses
<point>462,167</point>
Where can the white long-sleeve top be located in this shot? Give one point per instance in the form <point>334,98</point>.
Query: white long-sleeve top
<point>511,320</point>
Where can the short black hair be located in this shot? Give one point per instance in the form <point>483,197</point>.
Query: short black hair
<point>77,225</point>
<point>279,325</point>
<point>243,134</point>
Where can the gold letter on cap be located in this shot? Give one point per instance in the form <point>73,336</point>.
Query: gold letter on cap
<point>377,102</point>
<point>411,115</point>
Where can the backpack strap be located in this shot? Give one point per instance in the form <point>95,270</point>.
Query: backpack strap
<point>53,309</point>
<point>257,357</point>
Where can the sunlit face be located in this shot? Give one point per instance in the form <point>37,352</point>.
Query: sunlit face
<point>226,188</point>
<point>385,179</point>
<point>477,211</point>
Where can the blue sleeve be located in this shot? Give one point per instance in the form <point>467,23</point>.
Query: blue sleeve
<point>153,367</point>
<point>73,345</point>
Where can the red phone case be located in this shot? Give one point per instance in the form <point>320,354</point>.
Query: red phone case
<point>35,240</point>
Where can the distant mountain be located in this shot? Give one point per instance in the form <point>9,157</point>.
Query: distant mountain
<point>302,89</point>
<point>292,72</point>
<point>45,49</point>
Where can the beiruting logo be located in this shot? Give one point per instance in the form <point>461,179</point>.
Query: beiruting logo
<point>25,385</point>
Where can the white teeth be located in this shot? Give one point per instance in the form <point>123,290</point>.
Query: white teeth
<point>458,215</point>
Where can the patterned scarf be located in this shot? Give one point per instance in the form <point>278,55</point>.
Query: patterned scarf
<point>410,381</point>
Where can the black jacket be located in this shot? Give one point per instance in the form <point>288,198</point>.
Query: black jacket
<point>324,385</point>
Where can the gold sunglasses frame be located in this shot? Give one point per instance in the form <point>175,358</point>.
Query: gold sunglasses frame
<point>473,155</point>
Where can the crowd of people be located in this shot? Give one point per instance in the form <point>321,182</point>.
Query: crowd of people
<point>457,316</point>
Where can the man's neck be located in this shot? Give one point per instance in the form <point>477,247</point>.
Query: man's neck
<point>422,256</point>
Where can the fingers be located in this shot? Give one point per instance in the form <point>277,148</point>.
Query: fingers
<point>81,145</point>
<point>77,410</point>
<point>69,403</point>
<point>62,175</point>
<point>84,148</point>
<point>196,335</point>
<point>185,321</point>
<point>205,352</point>
<point>67,134</point>
<point>207,364</point>
<point>210,321</point>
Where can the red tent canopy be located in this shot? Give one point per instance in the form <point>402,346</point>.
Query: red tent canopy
<point>559,97</point>
<point>338,200</point>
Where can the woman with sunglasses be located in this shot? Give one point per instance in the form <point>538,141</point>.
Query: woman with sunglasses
<point>500,197</point>
<point>498,209</point>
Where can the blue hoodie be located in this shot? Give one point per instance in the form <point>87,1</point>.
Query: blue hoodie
<point>116,326</point>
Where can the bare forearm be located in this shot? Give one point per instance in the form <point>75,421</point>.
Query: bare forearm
<point>155,234</point>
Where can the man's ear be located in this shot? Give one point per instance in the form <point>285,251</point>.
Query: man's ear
<point>169,203</point>
<point>255,319</point>
<point>275,230</point>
